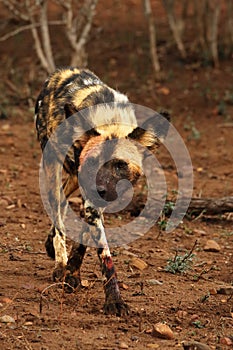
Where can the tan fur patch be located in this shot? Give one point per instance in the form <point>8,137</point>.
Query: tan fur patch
<point>80,95</point>
<point>92,146</point>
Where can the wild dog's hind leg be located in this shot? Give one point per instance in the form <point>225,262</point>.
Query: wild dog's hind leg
<point>114,304</point>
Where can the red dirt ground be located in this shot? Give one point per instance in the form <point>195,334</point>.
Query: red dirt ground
<point>201,109</point>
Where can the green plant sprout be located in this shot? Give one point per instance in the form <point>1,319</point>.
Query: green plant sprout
<point>180,263</point>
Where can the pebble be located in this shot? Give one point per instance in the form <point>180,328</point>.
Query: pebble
<point>226,290</point>
<point>6,300</point>
<point>3,203</point>
<point>5,127</point>
<point>212,246</point>
<point>154,282</point>
<point>161,330</point>
<point>213,291</point>
<point>199,232</point>
<point>139,263</point>
<point>226,341</point>
<point>123,345</point>
<point>195,345</point>
<point>152,346</point>
<point>134,338</point>
<point>180,316</point>
<point>7,319</point>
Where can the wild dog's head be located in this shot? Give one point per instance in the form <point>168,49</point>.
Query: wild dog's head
<point>114,151</point>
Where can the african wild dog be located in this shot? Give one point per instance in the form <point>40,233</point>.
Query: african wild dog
<point>66,92</point>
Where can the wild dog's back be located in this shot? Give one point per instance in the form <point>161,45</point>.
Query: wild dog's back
<point>75,87</point>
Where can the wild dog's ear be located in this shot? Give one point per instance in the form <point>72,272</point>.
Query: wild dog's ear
<point>152,131</point>
<point>82,129</point>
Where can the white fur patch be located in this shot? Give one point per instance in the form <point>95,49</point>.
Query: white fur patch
<point>60,249</point>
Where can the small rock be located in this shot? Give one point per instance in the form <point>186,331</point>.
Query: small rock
<point>101,336</point>
<point>6,300</point>
<point>163,331</point>
<point>134,338</point>
<point>226,341</point>
<point>11,206</point>
<point>226,290</point>
<point>138,263</point>
<point>193,318</point>
<point>5,127</point>
<point>212,246</point>
<point>123,285</point>
<point>19,203</point>
<point>180,316</point>
<point>7,319</point>
<point>126,252</point>
<point>199,232</point>
<point>152,346</point>
<point>123,345</point>
<point>154,282</point>
<point>195,345</point>
<point>213,291</point>
<point>3,202</point>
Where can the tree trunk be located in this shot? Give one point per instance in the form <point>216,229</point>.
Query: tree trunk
<point>175,25</point>
<point>152,36</point>
<point>214,31</point>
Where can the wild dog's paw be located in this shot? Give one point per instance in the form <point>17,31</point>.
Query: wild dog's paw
<point>117,307</point>
<point>59,273</point>
<point>72,281</point>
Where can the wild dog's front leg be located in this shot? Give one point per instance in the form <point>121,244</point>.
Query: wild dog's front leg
<point>73,278</point>
<point>69,186</point>
<point>56,241</point>
<point>59,242</point>
<point>114,303</point>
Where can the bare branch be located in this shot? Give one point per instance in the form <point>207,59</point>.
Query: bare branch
<point>85,32</point>
<point>152,35</point>
<point>27,27</point>
<point>11,5</point>
<point>78,42</point>
<point>70,31</point>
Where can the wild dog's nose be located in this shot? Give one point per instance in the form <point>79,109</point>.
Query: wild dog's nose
<point>101,190</point>
<point>98,189</point>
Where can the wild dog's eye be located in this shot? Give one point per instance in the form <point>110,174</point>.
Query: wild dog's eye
<point>121,166</point>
